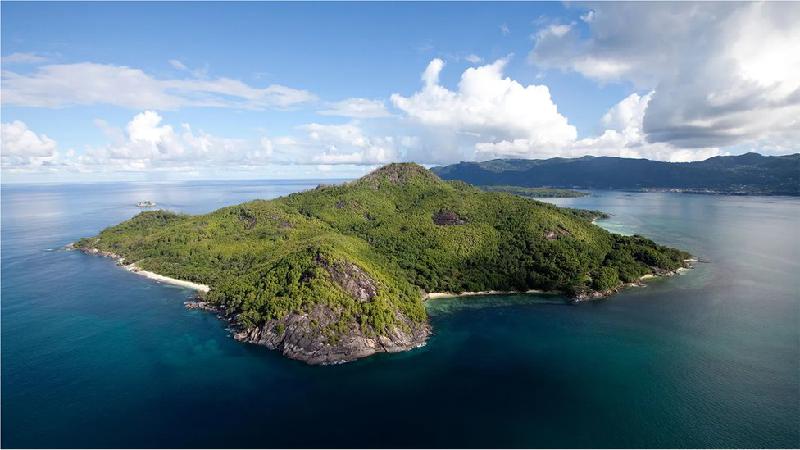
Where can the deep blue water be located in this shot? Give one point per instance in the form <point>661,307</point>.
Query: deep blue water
<point>94,356</point>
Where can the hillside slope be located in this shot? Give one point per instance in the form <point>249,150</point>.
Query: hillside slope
<point>750,173</point>
<point>338,272</point>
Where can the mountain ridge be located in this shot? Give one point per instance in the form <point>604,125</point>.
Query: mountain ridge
<point>750,173</point>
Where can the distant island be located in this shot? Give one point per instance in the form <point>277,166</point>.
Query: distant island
<point>536,192</point>
<point>748,174</point>
<point>342,272</point>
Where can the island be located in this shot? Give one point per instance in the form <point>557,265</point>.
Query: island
<point>537,192</point>
<point>747,174</point>
<point>341,272</point>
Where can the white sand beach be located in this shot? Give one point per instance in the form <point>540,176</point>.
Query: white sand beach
<point>154,276</point>
<point>434,295</point>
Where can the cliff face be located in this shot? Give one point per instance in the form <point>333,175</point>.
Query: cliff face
<point>320,336</point>
<point>301,336</point>
<point>338,272</point>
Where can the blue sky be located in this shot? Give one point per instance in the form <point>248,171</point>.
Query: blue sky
<point>104,91</point>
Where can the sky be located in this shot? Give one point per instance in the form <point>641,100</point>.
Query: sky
<point>178,91</point>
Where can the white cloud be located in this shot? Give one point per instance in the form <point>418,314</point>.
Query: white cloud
<point>504,30</point>
<point>554,30</point>
<point>487,104</point>
<point>492,116</point>
<point>627,114</point>
<point>338,144</point>
<point>622,137</point>
<point>725,74</point>
<point>22,148</point>
<point>18,140</point>
<point>201,73</point>
<point>486,115</point>
<point>145,128</point>
<point>431,74</point>
<point>146,144</point>
<point>357,108</point>
<point>177,64</point>
<point>24,58</point>
<point>473,58</point>
<point>59,85</point>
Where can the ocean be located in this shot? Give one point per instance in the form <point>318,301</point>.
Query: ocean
<point>95,356</point>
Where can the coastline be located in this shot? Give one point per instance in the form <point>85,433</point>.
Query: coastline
<point>597,295</point>
<point>435,295</point>
<point>426,296</point>
<point>168,280</point>
<point>583,297</point>
<point>139,271</point>
<point>280,334</point>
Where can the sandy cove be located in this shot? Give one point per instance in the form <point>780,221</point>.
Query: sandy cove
<point>580,298</point>
<point>434,295</point>
<point>139,271</point>
<point>154,276</point>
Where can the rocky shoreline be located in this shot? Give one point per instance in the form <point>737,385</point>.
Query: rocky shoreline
<point>577,298</point>
<point>660,273</point>
<point>302,336</point>
<point>297,336</point>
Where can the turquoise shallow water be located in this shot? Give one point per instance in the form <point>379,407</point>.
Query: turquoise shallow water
<point>93,356</point>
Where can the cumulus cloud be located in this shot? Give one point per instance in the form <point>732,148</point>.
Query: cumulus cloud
<point>724,74</point>
<point>21,147</point>
<point>627,114</point>
<point>148,144</point>
<point>347,144</point>
<point>493,116</point>
<point>487,104</point>
<point>60,85</point>
<point>339,144</point>
<point>700,90</point>
<point>623,136</point>
<point>18,140</point>
<point>357,108</point>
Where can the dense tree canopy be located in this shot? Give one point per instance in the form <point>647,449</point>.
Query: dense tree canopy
<point>265,259</point>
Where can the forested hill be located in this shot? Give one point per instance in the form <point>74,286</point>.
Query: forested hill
<point>750,173</point>
<point>338,272</point>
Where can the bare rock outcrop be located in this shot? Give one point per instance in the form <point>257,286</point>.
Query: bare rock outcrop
<point>447,218</point>
<point>322,336</point>
<point>558,233</point>
<point>351,279</point>
<point>307,337</point>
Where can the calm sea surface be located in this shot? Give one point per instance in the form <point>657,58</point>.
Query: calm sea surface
<point>94,356</point>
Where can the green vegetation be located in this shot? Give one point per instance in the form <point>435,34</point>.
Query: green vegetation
<point>586,214</point>
<point>400,230</point>
<point>536,192</point>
